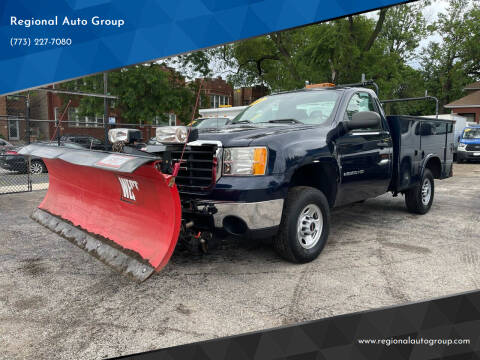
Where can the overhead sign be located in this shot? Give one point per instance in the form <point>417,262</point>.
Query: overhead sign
<point>43,42</point>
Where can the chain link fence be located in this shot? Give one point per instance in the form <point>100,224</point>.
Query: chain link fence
<point>20,173</point>
<point>45,117</point>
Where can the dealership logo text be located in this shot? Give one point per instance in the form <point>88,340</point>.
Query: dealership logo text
<point>66,21</point>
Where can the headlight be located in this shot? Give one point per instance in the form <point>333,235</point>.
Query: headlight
<point>125,135</point>
<point>116,135</point>
<point>172,134</point>
<point>462,146</point>
<point>244,161</point>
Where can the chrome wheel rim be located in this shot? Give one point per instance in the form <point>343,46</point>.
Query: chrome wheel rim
<point>309,226</point>
<point>426,191</point>
<point>36,168</point>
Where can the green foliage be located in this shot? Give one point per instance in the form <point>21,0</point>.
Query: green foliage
<point>385,49</point>
<point>454,62</point>
<point>145,92</point>
<point>338,51</point>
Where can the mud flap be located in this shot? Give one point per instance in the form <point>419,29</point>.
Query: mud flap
<point>117,207</point>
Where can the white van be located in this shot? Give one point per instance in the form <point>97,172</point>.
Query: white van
<point>460,124</point>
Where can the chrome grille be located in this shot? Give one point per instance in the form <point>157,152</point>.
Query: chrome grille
<point>473,147</point>
<point>197,169</point>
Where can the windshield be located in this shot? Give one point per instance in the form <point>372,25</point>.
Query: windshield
<point>307,107</point>
<point>211,123</point>
<point>471,133</point>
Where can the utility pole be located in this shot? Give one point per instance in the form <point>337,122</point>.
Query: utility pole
<point>105,108</point>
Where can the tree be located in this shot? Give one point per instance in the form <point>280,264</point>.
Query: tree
<point>145,92</point>
<point>337,51</point>
<point>450,64</point>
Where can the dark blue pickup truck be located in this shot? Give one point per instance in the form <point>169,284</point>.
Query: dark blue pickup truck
<point>286,160</point>
<point>275,171</point>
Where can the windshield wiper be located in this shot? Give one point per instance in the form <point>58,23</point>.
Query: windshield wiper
<point>294,121</point>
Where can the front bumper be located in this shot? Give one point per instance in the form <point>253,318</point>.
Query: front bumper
<point>468,155</point>
<point>256,215</point>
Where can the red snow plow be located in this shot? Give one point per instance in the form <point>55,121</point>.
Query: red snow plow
<point>120,208</point>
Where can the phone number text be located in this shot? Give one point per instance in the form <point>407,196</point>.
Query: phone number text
<point>26,42</point>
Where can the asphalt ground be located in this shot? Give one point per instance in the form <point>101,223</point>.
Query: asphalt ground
<point>58,302</point>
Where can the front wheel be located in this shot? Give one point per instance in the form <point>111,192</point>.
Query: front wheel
<point>419,199</point>
<point>37,167</point>
<point>305,225</point>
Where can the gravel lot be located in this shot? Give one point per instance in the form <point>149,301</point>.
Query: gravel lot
<point>58,302</point>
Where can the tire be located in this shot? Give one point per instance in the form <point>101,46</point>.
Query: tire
<point>419,199</point>
<point>308,206</point>
<point>37,167</point>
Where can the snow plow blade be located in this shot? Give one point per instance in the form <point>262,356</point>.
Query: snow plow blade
<point>117,207</point>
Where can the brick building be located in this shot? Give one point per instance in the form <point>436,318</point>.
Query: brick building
<point>247,95</point>
<point>3,121</point>
<point>216,92</point>
<point>469,105</point>
<point>76,124</point>
<point>12,115</point>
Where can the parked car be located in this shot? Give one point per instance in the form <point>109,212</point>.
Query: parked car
<point>13,161</point>
<point>85,141</point>
<point>152,141</point>
<point>469,145</point>
<point>4,146</point>
<point>211,123</point>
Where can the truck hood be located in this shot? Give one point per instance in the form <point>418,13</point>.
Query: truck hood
<point>257,134</point>
<point>470,141</point>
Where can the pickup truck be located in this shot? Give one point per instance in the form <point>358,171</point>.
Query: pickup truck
<point>469,144</point>
<point>275,171</point>
<point>284,162</point>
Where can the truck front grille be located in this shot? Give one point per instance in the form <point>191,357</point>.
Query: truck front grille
<point>473,147</point>
<point>197,170</point>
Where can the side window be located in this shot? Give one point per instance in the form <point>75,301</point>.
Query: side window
<point>360,101</point>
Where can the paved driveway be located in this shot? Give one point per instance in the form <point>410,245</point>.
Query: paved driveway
<point>57,301</point>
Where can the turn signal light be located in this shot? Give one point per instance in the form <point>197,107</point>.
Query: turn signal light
<point>259,161</point>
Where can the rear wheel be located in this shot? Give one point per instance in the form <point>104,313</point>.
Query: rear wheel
<point>305,225</point>
<point>419,199</point>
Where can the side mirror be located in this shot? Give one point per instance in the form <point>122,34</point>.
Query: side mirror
<point>364,120</point>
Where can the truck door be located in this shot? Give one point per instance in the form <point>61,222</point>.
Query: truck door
<point>365,155</point>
